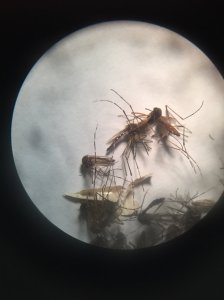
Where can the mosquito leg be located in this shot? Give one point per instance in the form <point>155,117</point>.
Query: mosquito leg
<point>192,162</point>
<point>127,155</point>
<point>125,114</point>
<point>139,114</point>
<point>123,99</point>
<point>188,115</point>
<point>95,170</point>
<point>136,164</point>
<point>131,108</point>
<point>182,148</point>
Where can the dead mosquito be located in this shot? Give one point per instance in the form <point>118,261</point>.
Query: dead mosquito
<point>167,127</point>
<point>140,126</point>
<point>105,205</point>
<point>100,164</point>
<point>174,215</point>
<point>97,166</point>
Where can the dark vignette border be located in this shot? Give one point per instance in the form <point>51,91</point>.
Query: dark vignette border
<point>37,259</point>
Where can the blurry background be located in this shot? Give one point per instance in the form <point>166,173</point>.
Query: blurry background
<point>36,256</point>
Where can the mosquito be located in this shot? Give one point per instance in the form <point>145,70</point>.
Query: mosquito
<point>97,166</point>
<point>168,126</point>
<point>176,214</point>
<point>90,163</point>
<point>140,126</point>
<point>186,211</point>
<point>134,133</point>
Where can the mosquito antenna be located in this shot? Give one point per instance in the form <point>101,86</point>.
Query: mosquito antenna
<point>117,106</point>
<point>132,111</point>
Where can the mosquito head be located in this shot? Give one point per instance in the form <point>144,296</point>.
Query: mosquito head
<point>87,162</point>
<point>155,114</point>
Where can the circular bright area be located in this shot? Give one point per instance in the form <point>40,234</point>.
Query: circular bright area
<point>58,119</point>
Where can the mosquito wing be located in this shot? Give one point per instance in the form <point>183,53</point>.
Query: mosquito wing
<point>164,124</point>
